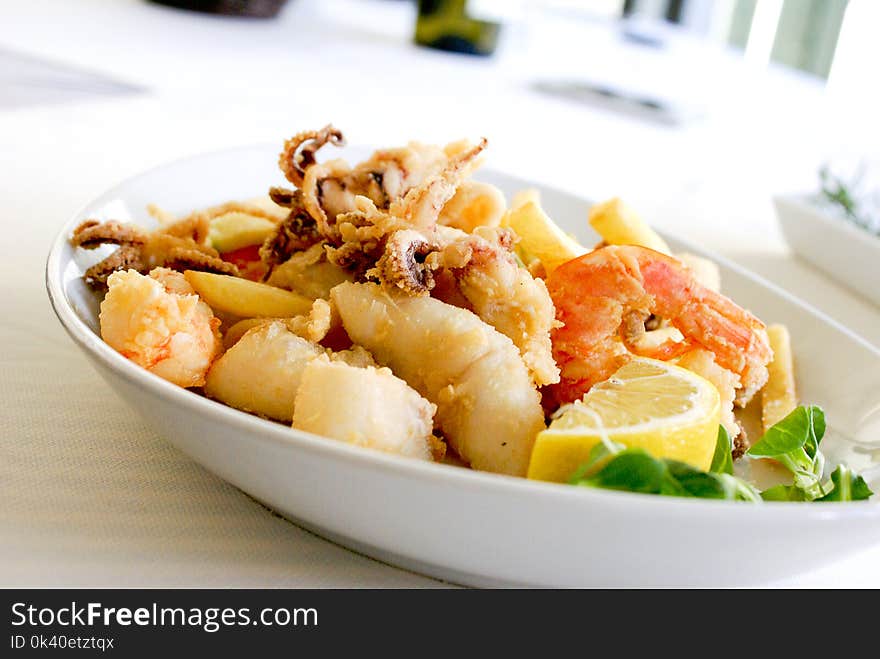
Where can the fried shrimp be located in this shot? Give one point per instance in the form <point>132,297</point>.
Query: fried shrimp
<point>159,322</point>
<point>487,407</point>
<point>603,297</point>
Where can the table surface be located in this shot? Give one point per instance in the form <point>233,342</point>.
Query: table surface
<point>90,496</point>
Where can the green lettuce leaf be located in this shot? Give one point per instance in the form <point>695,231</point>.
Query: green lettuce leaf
<point>847,486</point>
<point>722,461</point>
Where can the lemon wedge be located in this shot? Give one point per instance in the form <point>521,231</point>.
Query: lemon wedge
<point>668,411</point>
<point>540,236</point>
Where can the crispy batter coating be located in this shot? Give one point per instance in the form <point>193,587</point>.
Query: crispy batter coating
<point>183,258</point>
<point>195,226</point>
<point>128,256</point>
<point>299,151</point>
<point>296,233</point>
<point>91,234</point>
<point>142,251</point>
<point>404,262</point>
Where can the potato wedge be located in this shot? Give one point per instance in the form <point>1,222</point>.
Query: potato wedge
<point>541,238</point>
<point>523,197</point>
<point>236,229</point>
<point>779,396</point>
<point>618,224</point>
<point>245,298</point>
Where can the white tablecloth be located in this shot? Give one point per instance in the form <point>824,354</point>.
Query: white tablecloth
<point>88,495</point>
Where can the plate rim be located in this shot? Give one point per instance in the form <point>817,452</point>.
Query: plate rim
<point>290,438</point>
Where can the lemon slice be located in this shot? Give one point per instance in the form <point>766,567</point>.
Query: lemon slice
<point>541,237</point>
<point>666,410</point>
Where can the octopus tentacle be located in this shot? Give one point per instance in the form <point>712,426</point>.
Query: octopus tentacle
<point>421,206</point>
<point>298,232</point>
<point>92,234</point>
<point>319,181</point>
<point>196,226</point>
<point>181,258</point>
<point>299,151</point>
<point>404,263</point>
<point>142,251</point>
<point>282,196</point>
<point>128,256</point>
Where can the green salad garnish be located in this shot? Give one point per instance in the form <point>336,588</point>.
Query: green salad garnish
<point>793,442</point>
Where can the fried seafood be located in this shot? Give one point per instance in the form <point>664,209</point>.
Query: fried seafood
<point>309,273</point>
<point>261,372</point>
<point>329,189</point>
<point>297,232</point>
<point>403,263</point>
<point>314,326</point>
<point>364,406</point>
<point>356,237</point>
<point>384,302</point>
<point>702,362</point>
<point>603,299</point>
<point>317,324</point>
<point>299,151</point>
<point>159,322</point>
<point>413,232</point>
<point>421,206</point>
<point>505,296</point>
<point>174,246</point>
<point>359,236</point>
<point>487,406</point>
<point>475,204</point>
<point>179,243</point>
<point>273,371</point>
<point>484,277</point>
<point>424,173</point>
<point>354,356</point>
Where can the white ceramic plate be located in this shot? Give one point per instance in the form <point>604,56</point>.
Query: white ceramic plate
<point>843,251</point>
<point>485,529</point>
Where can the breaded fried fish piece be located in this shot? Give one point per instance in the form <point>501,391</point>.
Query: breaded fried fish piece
<point>487,405</point>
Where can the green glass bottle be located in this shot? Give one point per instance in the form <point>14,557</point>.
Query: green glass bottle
<point>445,25</point>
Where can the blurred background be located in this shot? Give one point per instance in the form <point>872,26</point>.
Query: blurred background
<point>697,112</point>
